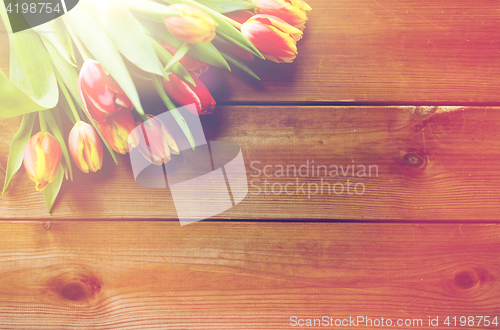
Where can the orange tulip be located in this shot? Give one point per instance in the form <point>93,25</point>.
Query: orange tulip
<point>193,25</point>
<point>85,147</point>
<point>184,94</point>
<point>42,156</point>
<point>275,38</point>
<point>100,94</point>
<point>155,141</point>
<point>117,129</point>
<point>291,11</point>
<point>187,62</point>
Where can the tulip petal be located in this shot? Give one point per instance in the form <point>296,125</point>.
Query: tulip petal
<point>184,94</point>
<point>291,11</point>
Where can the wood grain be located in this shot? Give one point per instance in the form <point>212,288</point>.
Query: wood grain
<point>378,51</point>
<point>158,275</point>
<point>432,165</point>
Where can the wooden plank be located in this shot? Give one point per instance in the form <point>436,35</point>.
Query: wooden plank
<point>158,275</point>
<point>382,51</point>
<point>410,164</point>
<point>385,51</point>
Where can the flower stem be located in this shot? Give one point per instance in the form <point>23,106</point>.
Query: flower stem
<point>43,124</point>
<point>79,46</point>
<point>179,54</point>
<point>68,98</point>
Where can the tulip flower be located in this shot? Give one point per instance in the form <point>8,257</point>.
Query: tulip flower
<point>117,130</point>
<point>156,141</point>
<point>291,11</point>
<point>273,37</point>
<point>85,147</point>
<point>187,62</point>
<point>42,156</point>
<point>100,94</point>
<point>193,25</point>
<point>184,94</point>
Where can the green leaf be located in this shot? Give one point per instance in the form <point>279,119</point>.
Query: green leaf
<point>227,6</point>
<point>56,131</point>
<point>151,10</point>
<point>67,72</point>
<point>31,69</point>
<point>52,32</point>
<point>63,103</point>
<point>102,48</point>
<point>13,101</point>
<point>177,68</point>
<point>128,36</point>
<point>241,65</point>
<point>16,153</point>
<point>237,43</point>
<point>52,189</point>
<point>173,109</point>
<point>179,54</point>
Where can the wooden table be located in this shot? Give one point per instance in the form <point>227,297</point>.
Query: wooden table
<point>410,88</point>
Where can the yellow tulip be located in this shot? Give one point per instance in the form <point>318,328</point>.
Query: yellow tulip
<point>85,147</point>
<point>42,157</point>
<point>193,25</point>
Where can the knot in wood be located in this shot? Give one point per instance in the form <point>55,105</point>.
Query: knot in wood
<point>465,279</point>
<point>413,158</point>
<point>76,286</point>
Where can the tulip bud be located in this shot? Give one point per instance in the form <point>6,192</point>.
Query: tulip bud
<point>193,25</point>
<point>275,38</point>
<point>42,156</point>
<point>187,62</point>
<point>291,11</point>
<point>117,129</point>
<point>184,94</point>
<point>156,141</point>
<point>100,94</point>
<point>85,147</point>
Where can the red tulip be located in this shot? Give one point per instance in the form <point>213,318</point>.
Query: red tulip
<point>42,156</point>
<point>100,94</point>
<point>193,25</point>
<point>184,94</point>
<point>117,130</point>
<point>187,62</point>
<point>155,141</point>
<point>275,38</point>
<point>85,147</point>
<point>291,11</point>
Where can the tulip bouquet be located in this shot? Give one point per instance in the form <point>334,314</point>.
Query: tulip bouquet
<point>78,73</point>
